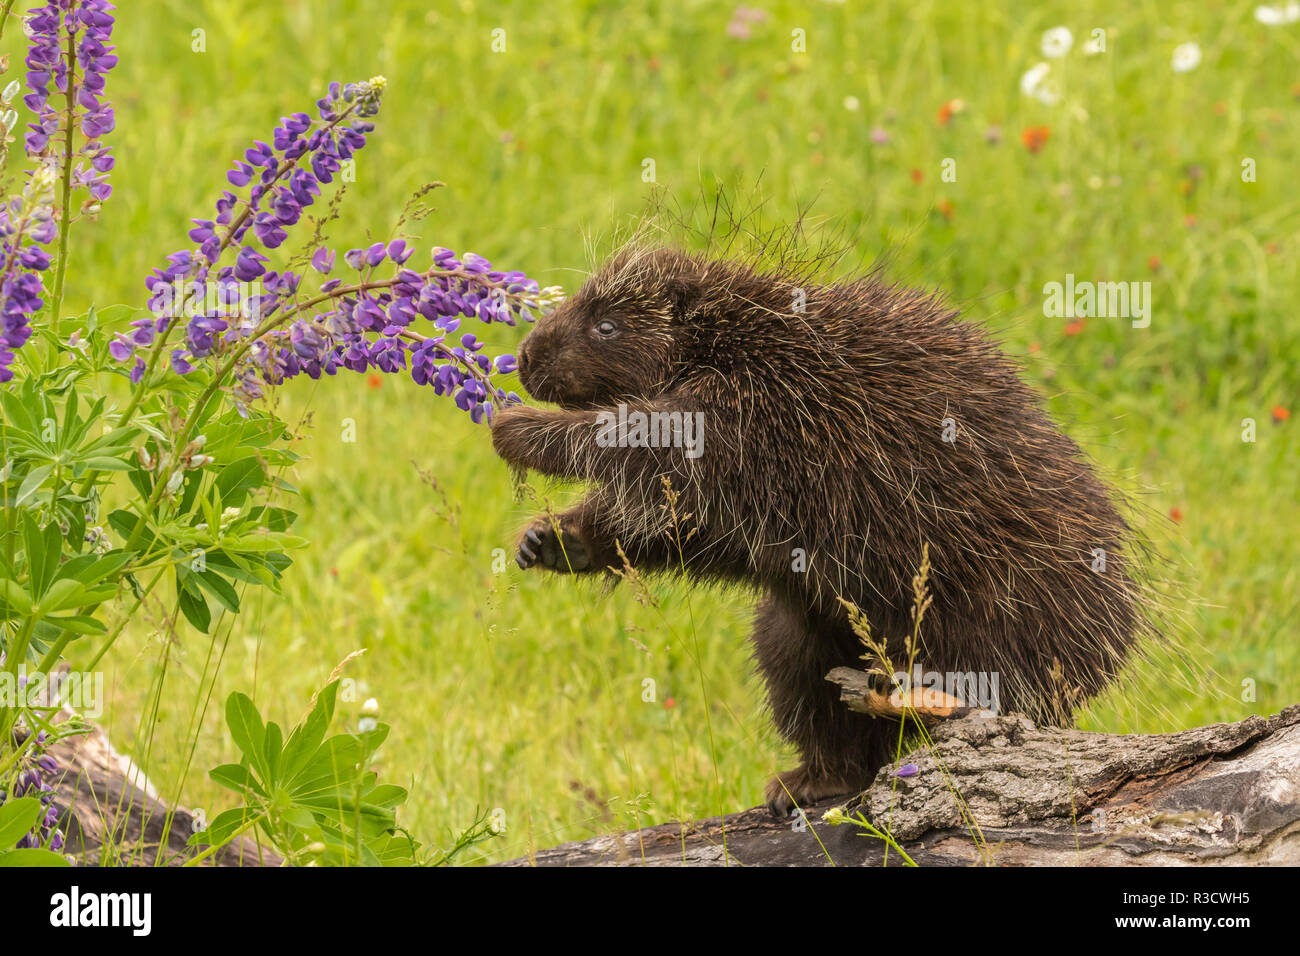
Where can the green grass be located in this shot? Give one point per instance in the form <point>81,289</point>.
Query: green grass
<point>524,692</point>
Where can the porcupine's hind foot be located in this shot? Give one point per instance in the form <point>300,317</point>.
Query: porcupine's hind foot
<point>801,788</point>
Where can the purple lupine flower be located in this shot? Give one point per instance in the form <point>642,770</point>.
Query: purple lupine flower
<point>249,264</point>
<point>323,261</point>
<point>35,778</point>
<point>89,25</point>
<point>364,322</point>
<point>24,220</point>
<point>399,251</point>
<point>369,325</point>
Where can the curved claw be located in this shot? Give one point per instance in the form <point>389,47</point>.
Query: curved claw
<point>529,548</point>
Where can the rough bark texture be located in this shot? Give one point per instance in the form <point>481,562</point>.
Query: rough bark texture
<point>996,790</point>
<point>104,798</point>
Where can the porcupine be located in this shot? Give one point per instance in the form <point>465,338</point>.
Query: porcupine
<point>847,425</point>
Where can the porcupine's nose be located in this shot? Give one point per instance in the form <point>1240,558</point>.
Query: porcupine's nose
<point>531,358</point>
<point>525,354</point>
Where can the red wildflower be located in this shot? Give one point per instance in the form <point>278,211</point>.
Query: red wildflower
<point>1035,137</point>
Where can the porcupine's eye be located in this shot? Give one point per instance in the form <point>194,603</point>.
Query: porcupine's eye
<point>605,328</point>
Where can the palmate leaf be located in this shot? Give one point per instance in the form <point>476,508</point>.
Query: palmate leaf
<point>32,857</point>
<point>23,417</point>
<point>271,744</point>
<point>192,603</point>
<point>307,737</point>
<point>95,568</point>
<point>32,482</point>
<point>249,734</point>
<point>394,849</point>
<point>335,788</point>
<point>236,777</point>
<point>101,463</point>
<point>219,588</point>
<point>309,788</point>
<point>17,817</point>
<point>66,593</point>
<point>238,478</point>
<point>251,569</point>
<point>114,443</point>
<point>261,541</point>
<point>43,547</point>
<point>224,827</point>
<point>79,624</point>
<point>321,775</point>
<point>14,599</point>
<point>123,522</point>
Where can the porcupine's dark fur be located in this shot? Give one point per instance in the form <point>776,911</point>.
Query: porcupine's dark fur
<point>823,430</point>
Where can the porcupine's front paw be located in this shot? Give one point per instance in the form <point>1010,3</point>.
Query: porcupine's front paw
<point>561,550</point>
<point>514,431</point>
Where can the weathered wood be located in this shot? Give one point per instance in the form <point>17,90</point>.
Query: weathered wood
<point>105,800</point>
<point>998,790</point>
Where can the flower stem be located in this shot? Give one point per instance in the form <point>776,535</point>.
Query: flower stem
<point>15,656</point>
<point>65,224</point>
<point>4,17</point>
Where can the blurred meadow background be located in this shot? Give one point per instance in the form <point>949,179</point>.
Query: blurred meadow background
<point>524,692</point>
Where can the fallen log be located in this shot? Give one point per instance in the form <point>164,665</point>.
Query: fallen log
<point>998,790</point>
<point>986,790</point>
<point>111,815</point>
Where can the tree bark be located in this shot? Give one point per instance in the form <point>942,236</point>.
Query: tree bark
<point>997,790</point>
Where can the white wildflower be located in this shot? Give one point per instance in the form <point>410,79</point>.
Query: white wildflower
<point>1278,14</point>
<point>1057,42</point>
<point>1187,57</point>
<point>1036,83</point>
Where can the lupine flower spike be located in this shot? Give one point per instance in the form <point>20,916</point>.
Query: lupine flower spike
<point>260,326</point>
